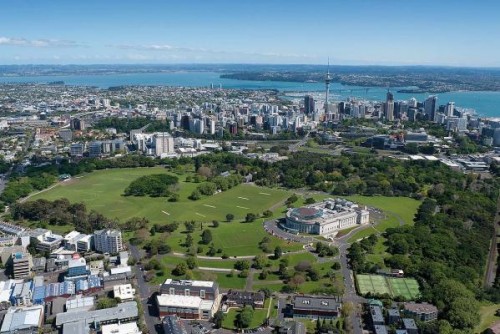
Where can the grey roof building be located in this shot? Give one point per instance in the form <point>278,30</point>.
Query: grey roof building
<point>376,315</point>
<point>79,321</point>
<point>22,320</point>
<point>380,329</point>
<point>172,324</point>
<point>315,307</point>
<point>410,326</point>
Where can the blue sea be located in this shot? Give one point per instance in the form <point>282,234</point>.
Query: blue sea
<point>485,103</point>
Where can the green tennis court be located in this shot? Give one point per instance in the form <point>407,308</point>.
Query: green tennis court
<point>379,285</point>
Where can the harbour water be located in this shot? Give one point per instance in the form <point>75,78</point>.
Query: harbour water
<point>486,104</point>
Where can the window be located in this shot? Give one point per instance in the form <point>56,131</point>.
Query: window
<point>202,294</point>
<point>171,291</point>
<point>187,292</point>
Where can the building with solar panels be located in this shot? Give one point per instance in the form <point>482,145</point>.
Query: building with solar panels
<point>326,218</point>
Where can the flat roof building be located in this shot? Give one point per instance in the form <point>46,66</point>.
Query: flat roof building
<point>124,292</point>
<point>422,311</point>
<point>128,328</point>
<point>121,313</point>
<point>186,307</point>
<point>315,307</point>
<point>22,319</point>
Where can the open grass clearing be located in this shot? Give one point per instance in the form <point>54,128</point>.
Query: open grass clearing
<point>488,317</point>
<point>102,191</point>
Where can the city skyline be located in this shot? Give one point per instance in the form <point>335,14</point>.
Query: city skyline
<point>354,33</point>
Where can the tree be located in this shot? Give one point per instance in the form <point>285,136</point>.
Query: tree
<point>244,318</point>
<point>215,223</point>
<point>267,214</point>
<point>278,252</point>
<point>189,241</point>
<point>206,237</point>
<point>336,265</point>
<point>191,262</point>
<point>260,261</point>
<point>292,199</point>
<point>190,225</point>
<point>218,319</point>
<point>242,265</point>
<point>205,171</point>
<point>195,195</point>
<point>105,302</point>
<point>180,269</point>
<point>309,200</point>
<point>229,217</point>
<point>250,217</point>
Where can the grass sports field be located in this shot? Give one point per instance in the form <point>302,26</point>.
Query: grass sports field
<point>377,284</point>
<point>102,191</point>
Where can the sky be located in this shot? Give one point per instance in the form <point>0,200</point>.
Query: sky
<point>348,32</point>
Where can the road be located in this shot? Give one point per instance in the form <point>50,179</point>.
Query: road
<point>350,295</point>
<point>342,244</point>
<point>491,266</point>
<point>150,317</point>
<point>294,147</point>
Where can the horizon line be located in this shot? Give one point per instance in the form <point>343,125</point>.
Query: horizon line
<point>258,64</point>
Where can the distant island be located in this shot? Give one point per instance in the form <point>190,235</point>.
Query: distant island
<point>423,79</point>
<point>409,79</point>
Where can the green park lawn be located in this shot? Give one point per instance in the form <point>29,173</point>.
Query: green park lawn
<point>102,191</point>
<point>396,209</point>
<point>488,317</point>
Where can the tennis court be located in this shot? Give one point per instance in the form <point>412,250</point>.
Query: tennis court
<point>405,287</point>
<point>379,285</point>
<point>374,284</point>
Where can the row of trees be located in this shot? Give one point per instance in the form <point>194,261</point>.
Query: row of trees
<point>62,212</point>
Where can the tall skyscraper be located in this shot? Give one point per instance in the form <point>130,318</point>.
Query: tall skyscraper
<point>450,107</point>
<point>328,79</point>
<point>309,106</point>
<point>430,107</point>
<point>389,107</point>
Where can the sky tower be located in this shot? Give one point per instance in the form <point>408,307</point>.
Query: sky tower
<point>328,79</point>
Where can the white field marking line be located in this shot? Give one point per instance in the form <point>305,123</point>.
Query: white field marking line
<point>199,214</point>
<point>168,214</point>
<point>242,207</point>
<point>246,199</point>
<point>265,194</point>
<point>210,206</point>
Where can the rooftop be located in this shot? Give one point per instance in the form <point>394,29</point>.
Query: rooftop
<point>122,311</point>
<point>128,328</point>
<point>207,284</point>
<point>420,308</point>
<point>314,303</point>
<point>179,300</point>
<point>22,318</point>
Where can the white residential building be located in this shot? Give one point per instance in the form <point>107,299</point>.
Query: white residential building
<point>108,241</point>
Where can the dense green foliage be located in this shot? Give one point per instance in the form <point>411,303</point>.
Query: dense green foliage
<point>127,124</point>
<point>446,249</point>
<point>62,212</point>
<point>155,185</point>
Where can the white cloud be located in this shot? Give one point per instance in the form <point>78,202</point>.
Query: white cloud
<point>200,53</point>
<point>38,43</point>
